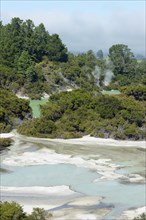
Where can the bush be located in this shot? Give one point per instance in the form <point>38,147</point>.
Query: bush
<point>11,211</point>
<point>14,211</point>
<point>131,131</point>
<point>137,91</point>
<point>5,142</point>
<point>80,112</point>
<point>68,135</point>
<point>39,214</point>
<point>141,217</point>
<point>13,110</point>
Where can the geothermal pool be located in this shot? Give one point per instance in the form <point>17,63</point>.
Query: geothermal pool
<point>39,170</point>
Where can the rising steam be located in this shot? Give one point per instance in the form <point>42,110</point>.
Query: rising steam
<point>108,74</point>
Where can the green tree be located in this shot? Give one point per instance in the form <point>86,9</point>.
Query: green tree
<point>24,62</point>
<point>56,50</point>
<point>41,37</point>
<point>141,72</point>
<point>31,74</point>
<point>9,79</point>
<point>90,59</point>
<point>19,36</point>
<point>14,211</point>
<point>39,214</point>
<point>28,37</point>
<point>99,54</point>
<point>26,67</point>
<point>122,59</point>
<point>11,42</point>
<point>11,211</point>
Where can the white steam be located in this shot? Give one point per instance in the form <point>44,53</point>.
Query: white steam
<point>108,77</point>
<point>96,74</point>
<point>108,73</point>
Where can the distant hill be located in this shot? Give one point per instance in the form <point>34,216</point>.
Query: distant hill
<point>33,62</point>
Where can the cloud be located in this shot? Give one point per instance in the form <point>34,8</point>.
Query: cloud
<point>84,31</point>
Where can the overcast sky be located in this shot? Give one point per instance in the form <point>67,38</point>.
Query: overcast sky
<point>84,25</point>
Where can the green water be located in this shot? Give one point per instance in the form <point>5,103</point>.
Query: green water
<point>111,92</point>
<point>35,106</point>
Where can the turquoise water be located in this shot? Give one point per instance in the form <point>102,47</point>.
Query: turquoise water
<point>48,175</point>
<point>120,196</point>
<point>80,180</point>
<point>115,192</point>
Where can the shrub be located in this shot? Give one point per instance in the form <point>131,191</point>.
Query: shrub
<point>5,142</point>
<point>141,217</point>
<point>14,211</point>
<point>11,211</point>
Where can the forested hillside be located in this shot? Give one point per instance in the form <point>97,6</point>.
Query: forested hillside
<point>34,62</point>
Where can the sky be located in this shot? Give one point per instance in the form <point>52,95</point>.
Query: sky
<point>84,25</point>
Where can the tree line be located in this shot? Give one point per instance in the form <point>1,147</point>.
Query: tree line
<point>23,39</point>
<point>33,61</point>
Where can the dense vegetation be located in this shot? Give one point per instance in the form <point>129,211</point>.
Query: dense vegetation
<point>13,111</point>
<point>127,70</point>
<point>33,62</point>
<point>77,113</point>
<point>21,39</point>
<point>136,91</point>
<point>22,45</point>
<point>13,211</point>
